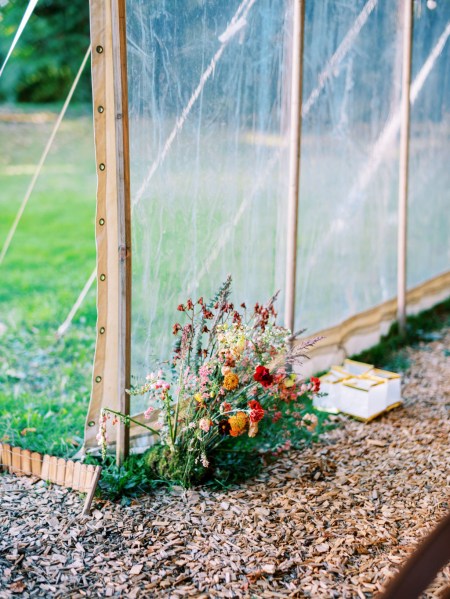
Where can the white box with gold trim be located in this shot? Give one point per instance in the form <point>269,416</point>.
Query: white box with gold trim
<point>363,397</point>
<point>330,383</point>
<point>393,380</point>
<point>353,368</point>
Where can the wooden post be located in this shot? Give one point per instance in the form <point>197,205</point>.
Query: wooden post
<point>294,159</point>
<point>119,41</point>
<point>402,241</point>
<point>91,490</point>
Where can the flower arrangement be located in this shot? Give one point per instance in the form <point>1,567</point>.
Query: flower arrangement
<point>231,372</point>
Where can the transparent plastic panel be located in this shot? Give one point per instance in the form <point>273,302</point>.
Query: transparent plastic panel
<point>429,174</point>
<point>209,119</point>
<point>349,164</point>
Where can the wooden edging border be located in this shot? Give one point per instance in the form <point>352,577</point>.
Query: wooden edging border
<point>66,473</point>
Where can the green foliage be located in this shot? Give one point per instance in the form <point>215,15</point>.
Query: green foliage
<point>45,383</point>
<point>49,53</point>
<point>390,352</point>
<point>174,465</point>
<point>44,389</point>
<point>232,466</point>
<point>128,480</point>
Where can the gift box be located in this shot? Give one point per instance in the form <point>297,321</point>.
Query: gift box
<point>364,397</point>
<point>330,383</point>
<point>393,380</point>
<point>353,368</point>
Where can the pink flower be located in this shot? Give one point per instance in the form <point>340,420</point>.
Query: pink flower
<point>148,412</point>
<point>204,424</point>
<point>276,416</point>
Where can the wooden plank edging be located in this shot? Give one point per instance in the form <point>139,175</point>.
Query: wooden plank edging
<point>73,475</point>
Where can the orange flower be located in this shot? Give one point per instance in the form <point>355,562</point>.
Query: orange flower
<point>231,381</point>
<point>238,423</point>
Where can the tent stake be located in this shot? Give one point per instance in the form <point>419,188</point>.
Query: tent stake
<point>403,167</point>
<point>294,160</point>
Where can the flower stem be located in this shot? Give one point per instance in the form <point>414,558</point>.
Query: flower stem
<point>128,419</point>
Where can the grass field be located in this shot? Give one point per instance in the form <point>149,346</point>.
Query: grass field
<point>45,383</point>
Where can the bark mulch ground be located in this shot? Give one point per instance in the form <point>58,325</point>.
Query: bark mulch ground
<point>333,521</point>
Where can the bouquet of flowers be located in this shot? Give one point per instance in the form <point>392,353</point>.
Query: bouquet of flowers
<point>231,371</point>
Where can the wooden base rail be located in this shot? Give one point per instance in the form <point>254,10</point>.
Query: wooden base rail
<point>66,473</point>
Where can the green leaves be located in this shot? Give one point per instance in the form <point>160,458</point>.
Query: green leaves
<point>49,53</point>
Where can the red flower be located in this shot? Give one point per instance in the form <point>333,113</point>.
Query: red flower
<point>263,376</point>
<point>176,328</point>
<point>256,410</point>
<point>180,308</point>
<point>315,384</point>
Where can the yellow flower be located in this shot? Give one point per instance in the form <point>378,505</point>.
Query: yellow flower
<point>198,397</point>
<point>238,423</point>
<point>231,381</point>
<point>290,381</point>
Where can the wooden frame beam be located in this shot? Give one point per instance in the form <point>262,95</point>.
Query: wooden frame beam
<point>402,241</point>
<point>111,375</point>
<point>294,160</point>
<point>119,49</point>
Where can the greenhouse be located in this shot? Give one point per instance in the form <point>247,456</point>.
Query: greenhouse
<point>243,150</point>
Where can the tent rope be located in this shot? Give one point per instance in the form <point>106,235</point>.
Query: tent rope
<point>26,16</point>
<point>66,324</point>
<point>38,170</point>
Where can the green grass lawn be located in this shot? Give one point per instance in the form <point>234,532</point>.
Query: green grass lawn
<point>44,382</point>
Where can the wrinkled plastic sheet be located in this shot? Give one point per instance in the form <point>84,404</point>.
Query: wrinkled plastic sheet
<point>209,117</point>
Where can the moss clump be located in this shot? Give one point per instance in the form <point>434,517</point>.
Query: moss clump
<point>175,465</point>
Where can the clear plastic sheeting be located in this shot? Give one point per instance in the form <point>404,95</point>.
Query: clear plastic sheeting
<point>429,174</point>
<point>349,174</point>
<point>209,128</point>
<point>209,90</point>
<point>347,260</point>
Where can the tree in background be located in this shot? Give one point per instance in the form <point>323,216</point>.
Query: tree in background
<point>49,53</point>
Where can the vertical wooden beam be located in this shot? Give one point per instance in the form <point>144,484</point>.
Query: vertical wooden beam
<point>118,13</point>
<point>402,241</point>
<point>294,159</point>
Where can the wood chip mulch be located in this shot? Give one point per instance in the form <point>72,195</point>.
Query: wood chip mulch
<point>333,521</point>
